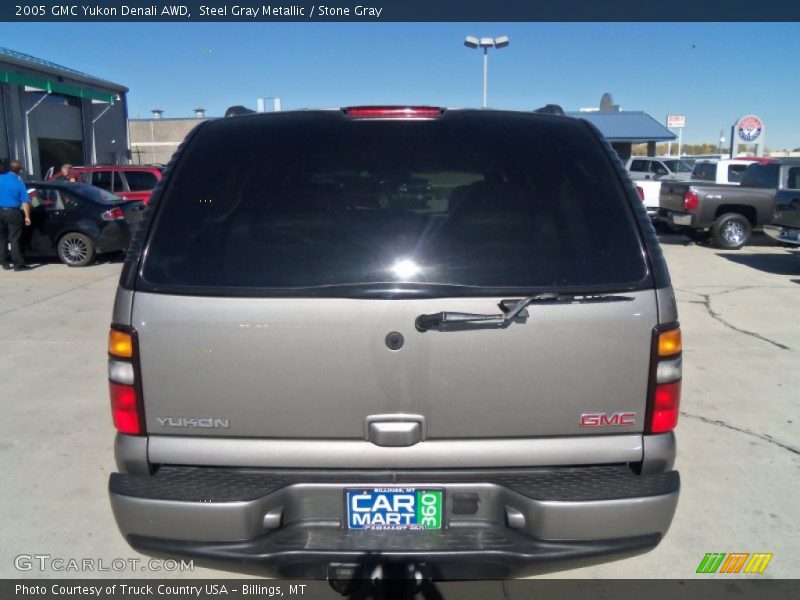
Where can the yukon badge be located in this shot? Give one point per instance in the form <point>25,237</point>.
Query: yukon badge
<point>206,423</point>
<point>608,420</point>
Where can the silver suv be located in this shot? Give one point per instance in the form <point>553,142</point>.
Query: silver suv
<point>660,168</point>
<point>384,336</point>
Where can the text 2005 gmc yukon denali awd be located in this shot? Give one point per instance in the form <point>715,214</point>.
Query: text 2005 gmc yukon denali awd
<point>377,335</point>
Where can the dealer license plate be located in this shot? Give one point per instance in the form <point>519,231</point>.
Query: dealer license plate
<point>394,508</point>
<point>681,219</point>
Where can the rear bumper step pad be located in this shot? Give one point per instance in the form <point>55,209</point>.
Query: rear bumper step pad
<point>578,484</point>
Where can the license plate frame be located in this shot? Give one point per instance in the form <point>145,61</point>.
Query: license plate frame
<point>678,219</point>
<point>386,508</point>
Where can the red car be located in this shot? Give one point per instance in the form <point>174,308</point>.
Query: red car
<point>127,182</point>
<point>758,159</point>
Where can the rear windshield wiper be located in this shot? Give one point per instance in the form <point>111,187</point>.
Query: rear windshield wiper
<point>511,310</point>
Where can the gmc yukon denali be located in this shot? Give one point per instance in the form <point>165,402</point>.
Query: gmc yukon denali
<point>379,338</point>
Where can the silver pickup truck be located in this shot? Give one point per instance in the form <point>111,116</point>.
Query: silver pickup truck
<point>729,214</point>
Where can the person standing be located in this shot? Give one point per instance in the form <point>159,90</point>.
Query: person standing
<point>14,209</point>
<point>64,174</point>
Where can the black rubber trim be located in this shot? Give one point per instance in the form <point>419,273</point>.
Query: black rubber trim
<point>196,484</point>
<point>569,484</point>
<point>482,552</point>
<point>591,484</point>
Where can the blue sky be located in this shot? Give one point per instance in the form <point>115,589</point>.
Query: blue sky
<point>712,73</point>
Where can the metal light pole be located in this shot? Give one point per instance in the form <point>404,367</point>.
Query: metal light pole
<point>486,43</point>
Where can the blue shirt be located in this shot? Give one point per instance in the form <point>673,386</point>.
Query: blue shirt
<point>13,193</point>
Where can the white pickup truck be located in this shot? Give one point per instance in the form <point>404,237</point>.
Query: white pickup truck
<point>725,171</point>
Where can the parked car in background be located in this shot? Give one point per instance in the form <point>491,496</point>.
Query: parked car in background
<point>76,222</point>
<point>466,369</point>
<point>725,171</point>
<point>727,213</point>
<point>127,182</point>
<point>785,223</point>
<point>658,167</point>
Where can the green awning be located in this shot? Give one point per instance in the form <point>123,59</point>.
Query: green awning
<point>56,87</point>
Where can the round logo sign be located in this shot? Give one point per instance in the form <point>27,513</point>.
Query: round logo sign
<point>749,128</point>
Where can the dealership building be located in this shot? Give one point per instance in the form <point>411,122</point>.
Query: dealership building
<point>51,115</point>
<point>155,140</point>
<point>625,128</point>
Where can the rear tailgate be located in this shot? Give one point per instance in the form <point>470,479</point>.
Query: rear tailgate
<point>316,368</point>
<point>671,197</point>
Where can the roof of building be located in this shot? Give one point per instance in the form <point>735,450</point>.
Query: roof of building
<point>627,126</point>
<point>21,59</point>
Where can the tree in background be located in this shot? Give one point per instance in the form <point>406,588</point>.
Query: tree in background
<point>690,149</point>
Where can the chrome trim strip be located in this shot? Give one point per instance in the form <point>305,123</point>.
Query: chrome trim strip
<point>430,454</point>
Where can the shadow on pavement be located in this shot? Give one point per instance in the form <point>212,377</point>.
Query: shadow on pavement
<point>674,239</point>
<point>112,258</point>
<point>777,264</point>
<point>103,259</point>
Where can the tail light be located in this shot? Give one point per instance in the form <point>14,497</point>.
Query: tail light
<point>114,214</point>
<point>690,201</point>
<point>663,402</point>
<point>393,112</point>
<point>124,381</point>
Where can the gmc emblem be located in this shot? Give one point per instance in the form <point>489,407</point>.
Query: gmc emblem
<point>608,420</point>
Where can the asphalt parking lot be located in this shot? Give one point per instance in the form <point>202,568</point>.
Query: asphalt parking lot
<point>739,453</point>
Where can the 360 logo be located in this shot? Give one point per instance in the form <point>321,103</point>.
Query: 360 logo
<point>736,562</point>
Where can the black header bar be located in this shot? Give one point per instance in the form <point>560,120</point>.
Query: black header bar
<point>728,587</point>
<point>399,10</point>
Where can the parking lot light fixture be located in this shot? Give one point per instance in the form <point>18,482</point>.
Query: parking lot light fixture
<point>486,43</point>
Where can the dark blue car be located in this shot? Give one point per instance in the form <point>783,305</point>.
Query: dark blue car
<point>77,222</point>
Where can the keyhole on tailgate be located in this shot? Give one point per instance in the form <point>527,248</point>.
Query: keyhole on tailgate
<point>394,341</point>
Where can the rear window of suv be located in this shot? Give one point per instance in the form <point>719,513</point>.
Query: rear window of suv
<point>320,203</point>
<point>705,171</point>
